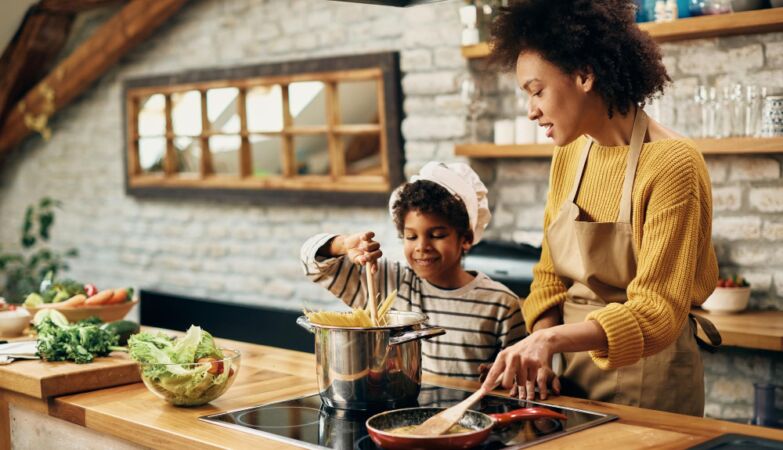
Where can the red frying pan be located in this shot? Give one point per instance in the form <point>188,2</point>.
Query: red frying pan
<point>479,426</point>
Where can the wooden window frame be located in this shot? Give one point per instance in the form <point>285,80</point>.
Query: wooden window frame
<point>336,187</point>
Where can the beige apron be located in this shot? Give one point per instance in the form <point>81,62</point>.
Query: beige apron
<point>597,261</point>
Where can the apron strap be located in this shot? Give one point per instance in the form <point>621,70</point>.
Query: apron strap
<point>712,333</point>
<point>580,170</point>
<point>637,140</point>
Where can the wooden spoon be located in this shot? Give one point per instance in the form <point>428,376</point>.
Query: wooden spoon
<point>441,422</point>
<point>371,294</point>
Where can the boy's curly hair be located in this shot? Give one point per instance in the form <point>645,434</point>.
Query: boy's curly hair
<point>428,197</point>
<point>576,35</point>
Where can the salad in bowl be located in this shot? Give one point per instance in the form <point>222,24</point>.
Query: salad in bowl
<point>190,370</point>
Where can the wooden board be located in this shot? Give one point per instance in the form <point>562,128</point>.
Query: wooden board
<point>750,329</point>
<point>42,379</point>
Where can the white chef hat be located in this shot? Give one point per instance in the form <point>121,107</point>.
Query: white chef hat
<point>460,180</point>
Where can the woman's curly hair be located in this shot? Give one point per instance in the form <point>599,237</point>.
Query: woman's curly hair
<point>578,35</point>
<point>428,197</point>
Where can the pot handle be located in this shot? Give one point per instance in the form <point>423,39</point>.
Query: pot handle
<point>304,323</point>
<point>424,333</point>
<point>535,412</point>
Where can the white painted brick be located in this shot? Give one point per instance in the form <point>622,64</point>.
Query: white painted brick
<point>531,218</point>
<point>777,278</point>
<point>278,289</point>
<point>429,83</point>
<point>767,199</point>
<point>518,193</point>
<point>305,41</point>
<point>386,27</point>
<point>754,169</point>
<point>415,60</point>
<point>773,51</point>
<point>759,281</point>
<point>718,167</point>
<point>449,58</point>
<point>501,217</point>
<point>534,238</point>
<point>736,228</point>
<point>773,230</point>
<point>424,128</point>
<point>726,198</point>
<point>731,390</point>
<point>319,18</point>
<point>450,104</point>
<point>417,105</point>
<point>750,254</point>
<point>702,61</point>
<point>524,170</point>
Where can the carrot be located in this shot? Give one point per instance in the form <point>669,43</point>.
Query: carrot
<point>100,298</point>
<point>75,301</point>
<point>120,295</point>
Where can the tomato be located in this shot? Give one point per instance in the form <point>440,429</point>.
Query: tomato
<point>216,367</point>
<point>730,283</point>
<point>90,290</point>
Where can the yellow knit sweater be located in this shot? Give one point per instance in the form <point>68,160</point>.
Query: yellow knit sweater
<point>671,220</point>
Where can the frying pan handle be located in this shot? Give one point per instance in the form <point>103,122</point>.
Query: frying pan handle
<point>532,413</point>
<point>424,333</point>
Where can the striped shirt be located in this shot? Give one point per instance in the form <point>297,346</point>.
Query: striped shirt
<point>480,318</point>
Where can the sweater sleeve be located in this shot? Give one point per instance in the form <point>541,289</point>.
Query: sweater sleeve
<point>659,296</point>
<point>347,281</point>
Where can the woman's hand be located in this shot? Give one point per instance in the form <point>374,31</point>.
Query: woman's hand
<point>526,364</point>
<point>360,248</point>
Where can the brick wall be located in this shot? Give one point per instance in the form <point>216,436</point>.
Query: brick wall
<point>239,253</point>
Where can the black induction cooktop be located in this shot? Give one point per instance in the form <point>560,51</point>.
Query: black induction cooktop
<point>306,422</point>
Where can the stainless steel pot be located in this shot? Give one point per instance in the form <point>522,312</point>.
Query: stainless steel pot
<point>370,368</point>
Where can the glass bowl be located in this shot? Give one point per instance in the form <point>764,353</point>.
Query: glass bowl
<point>191,384</point>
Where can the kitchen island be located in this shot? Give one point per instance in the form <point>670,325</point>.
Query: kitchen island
<point>129,416</point>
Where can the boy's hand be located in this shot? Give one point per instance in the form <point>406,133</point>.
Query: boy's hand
<point>361,249</point>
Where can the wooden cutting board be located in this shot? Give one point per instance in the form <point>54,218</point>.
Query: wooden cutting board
<point>42,379</point>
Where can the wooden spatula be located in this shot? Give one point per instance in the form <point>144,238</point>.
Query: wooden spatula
<point>441,422</point>
<point>371,295</point>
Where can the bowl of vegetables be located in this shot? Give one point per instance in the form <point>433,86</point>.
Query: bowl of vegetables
<point>190,370</point>
<point>77,301</point>
<point>13,319</point>
<point>730,296</point>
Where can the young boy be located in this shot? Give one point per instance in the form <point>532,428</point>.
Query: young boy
<point>439,214</point>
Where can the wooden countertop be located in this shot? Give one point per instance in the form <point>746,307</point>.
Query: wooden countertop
<point>269,374</point>
<point>750,329</point>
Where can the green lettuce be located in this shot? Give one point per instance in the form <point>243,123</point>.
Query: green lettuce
<point>168,365</point>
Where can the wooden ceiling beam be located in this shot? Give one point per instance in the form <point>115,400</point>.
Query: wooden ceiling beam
<point>87,63</point>
<point>74,6</point>
<point>31,54</point>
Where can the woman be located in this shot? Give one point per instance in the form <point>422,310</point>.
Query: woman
<point>627,249</point>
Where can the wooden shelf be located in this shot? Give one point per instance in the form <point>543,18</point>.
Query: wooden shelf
<point>727,146</point>
<point>750,329</point>
<point>759,21</point>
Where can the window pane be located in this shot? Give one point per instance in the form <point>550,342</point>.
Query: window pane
<point>266,152</point>
<point>152,115</point>
<point>358,101</point>
<point>222,110</point>
<point>307,103</point>
<point>188,152</point>
<point>152,152</point>
<point>186,113</point>
<point>225,154</point>
<point>312,155</point>
<point>265,108</point>
<point>362,154</point>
